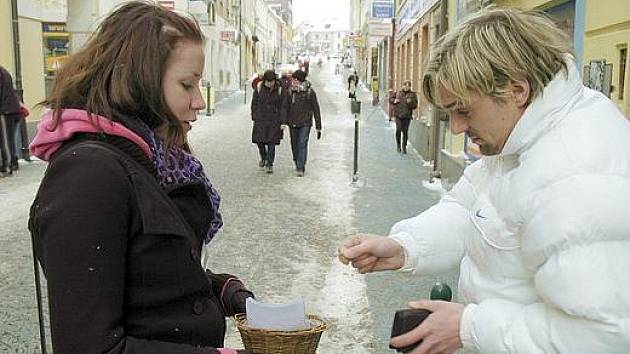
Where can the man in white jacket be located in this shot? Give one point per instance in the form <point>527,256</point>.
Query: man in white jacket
<point>540,226</point>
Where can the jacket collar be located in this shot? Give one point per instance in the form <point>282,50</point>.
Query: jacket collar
<point>545,111</point>
<point>51,135</point>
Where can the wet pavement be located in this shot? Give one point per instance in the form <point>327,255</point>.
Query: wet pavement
<point>281,232</point>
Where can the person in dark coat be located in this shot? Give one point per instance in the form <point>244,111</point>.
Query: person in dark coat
<point>9,116</point>
<point>404,101</point>
<point>353,81</point>
<point>125,211</point>
<point>267,116</point>
<point>301,107</point>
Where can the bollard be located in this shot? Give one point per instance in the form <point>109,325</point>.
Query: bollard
<point>441,291</point>
<point>208,100</point>
<point>355,108</point>
<point>245,92</point>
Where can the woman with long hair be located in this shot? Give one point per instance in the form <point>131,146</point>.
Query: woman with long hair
<point>124,209</point>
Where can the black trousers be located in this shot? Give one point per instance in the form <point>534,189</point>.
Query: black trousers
<point>267,153</point>
<point>7,143</point>
<point>402,128</point>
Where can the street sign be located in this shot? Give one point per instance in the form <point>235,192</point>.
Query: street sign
<point>169,4</point>
<point>227,36</point>
<point>382,9</point>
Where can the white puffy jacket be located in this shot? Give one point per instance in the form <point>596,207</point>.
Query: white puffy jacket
<point>541,232</point>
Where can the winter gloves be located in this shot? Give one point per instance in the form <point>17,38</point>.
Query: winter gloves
<point>230,291</point>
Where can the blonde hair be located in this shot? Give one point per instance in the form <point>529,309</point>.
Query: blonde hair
<point>496,46</point>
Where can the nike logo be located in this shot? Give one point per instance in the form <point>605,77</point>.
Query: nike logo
<point>478,214</point>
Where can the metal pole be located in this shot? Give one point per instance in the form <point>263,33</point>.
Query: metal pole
<point>40,306</point>
<point>240,50</point>
<point>18,77</point>
<point>390,83</point>
<point>208,104</point>
<point>355,176</point>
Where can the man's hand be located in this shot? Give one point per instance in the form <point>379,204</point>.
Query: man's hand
<point>370,253</point>
<point>439,332</point>
<point>396,101</point>
<point>319,134</point>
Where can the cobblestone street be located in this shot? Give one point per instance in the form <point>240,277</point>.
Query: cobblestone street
<point>281,232</point>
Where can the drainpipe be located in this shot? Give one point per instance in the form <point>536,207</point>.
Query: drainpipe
<point>390,83</point>
<point>439,116</point>
<point>18,76</point>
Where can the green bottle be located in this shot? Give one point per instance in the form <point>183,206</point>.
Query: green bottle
<point>441,291</point>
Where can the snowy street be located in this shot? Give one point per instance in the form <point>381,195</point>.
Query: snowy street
<point>281,232</point>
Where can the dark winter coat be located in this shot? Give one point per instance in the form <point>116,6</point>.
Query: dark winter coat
<point>267,113</point>
<point>404,109</point>
<point>9,101</point>
<point>122,255</point>
<point>301,107</point>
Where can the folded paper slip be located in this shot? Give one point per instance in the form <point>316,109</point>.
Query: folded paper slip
<point>277,317</point>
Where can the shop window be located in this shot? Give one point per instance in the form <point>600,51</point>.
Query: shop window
<point>623,61</point>
<point>212,14</point>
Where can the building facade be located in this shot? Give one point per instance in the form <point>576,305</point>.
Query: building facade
<point>242,37</point>
<point>599,31</point>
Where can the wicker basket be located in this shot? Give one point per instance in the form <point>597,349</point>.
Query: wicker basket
<point>262,341</point>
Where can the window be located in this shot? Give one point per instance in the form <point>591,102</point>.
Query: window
<point>623,61</point>
<point>212,14</point>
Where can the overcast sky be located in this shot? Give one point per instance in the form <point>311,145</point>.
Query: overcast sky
<point>321,12</point>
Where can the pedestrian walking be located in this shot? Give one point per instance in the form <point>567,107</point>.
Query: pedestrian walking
<point>353,81</point>
<point>17,134</point>
<point>301,107</point>
<point>9,117</point>
<point>124,209</point>
<point>404,101</point>
<point>541,238</point>
<point>266,112</point>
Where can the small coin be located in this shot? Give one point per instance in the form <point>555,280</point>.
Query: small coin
<point>342,258</point>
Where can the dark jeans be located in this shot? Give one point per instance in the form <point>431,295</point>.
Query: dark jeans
<point>267,152</point>
<point>402,127</point>
<point>7,136</point>
<point>299,146</point>
<point>17,138</point>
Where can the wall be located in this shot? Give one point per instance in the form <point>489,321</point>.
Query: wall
<point>6,37</point>
<point>412,53</point>
<point>607,31</point>
<point>33,78</point>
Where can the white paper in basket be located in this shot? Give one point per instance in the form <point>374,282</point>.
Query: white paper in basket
<point>277,317</point>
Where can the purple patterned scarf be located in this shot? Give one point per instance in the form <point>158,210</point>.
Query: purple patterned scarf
<point>175,165</point>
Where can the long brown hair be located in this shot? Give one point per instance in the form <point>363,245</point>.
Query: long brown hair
<point>120,68</point>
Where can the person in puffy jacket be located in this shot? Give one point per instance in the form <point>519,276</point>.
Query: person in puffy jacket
<point>404,101</point>
<point>300,107</point>
<point>541,238</point>
<point>124,210</point>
